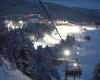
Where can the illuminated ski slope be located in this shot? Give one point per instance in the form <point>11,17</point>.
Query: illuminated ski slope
<point>53,38</point>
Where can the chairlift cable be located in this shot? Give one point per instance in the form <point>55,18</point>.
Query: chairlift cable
<point>44,8</point>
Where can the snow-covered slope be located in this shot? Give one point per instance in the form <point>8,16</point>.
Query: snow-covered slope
<point>90,54</point>
<point>9,73</point>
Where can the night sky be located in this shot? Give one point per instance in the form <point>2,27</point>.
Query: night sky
<point>90,4</point>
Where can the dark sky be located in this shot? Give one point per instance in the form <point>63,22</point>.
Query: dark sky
<point>90,4</point>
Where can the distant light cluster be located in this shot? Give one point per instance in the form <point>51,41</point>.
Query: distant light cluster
<point>10,24</point>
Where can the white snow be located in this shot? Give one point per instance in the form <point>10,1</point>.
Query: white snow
<point>90,54</point>
<point>9,73</point>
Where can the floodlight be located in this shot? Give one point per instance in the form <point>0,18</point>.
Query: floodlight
<point>67,52</point>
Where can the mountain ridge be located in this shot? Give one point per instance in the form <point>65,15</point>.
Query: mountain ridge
<point>56,11</point>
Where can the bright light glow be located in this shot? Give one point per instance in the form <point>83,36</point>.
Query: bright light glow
<point>47,38</point>
<point>62,22</point>
<point>53,38</point>
<point>75,64</point>
<point>67,52</point>
<point>9,24</point>
<point>78,53</point>
<point>55,35</point>
<point>68,29</point>
<point>89,28</point>
<point>21,22</point>
<point>65,30</point>
<point>36,44</point>
<point>31,37</point>
<point>13,24</point>
<point>6,21</point>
